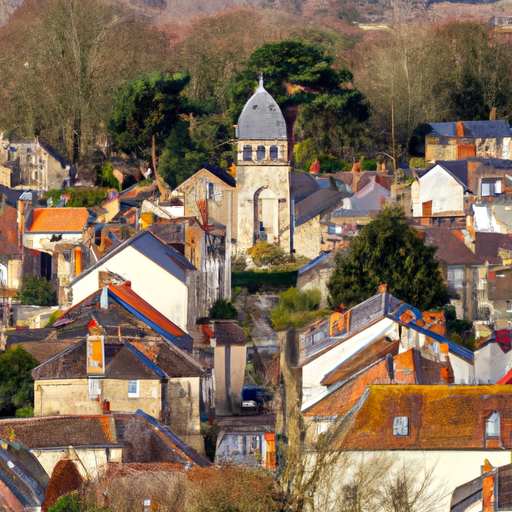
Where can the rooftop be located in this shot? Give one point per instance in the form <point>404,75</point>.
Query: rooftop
<point>261,118</point>
<point>440,417</point>
<point>58,220</point>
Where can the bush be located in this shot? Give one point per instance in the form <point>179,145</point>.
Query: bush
<point>68,503</point>
<point>368,165</point>
<point>35,292</point>
<point>54,317</point>
<point>329,164</point>
<point>297,308</point>
<point>25,412</point>
<point>106,177</point>
<point>264,254</point>
<point>418,163</point>
<point>223,310</point>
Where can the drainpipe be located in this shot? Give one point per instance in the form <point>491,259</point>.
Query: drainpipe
<point>292,223</point>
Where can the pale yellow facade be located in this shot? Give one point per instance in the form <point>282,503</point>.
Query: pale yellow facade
<point>71,396</point>
<point>91,462</point>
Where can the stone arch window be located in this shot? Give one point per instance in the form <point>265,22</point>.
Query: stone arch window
<point>247,153</point>
<point>274,152</point>
<point>260,153</point>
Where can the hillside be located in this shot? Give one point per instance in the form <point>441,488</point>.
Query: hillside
<point>181,13</point>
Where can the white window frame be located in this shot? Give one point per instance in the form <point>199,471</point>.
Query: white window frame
<point>137,389</point>
<point>94,387</point>
<point>492,425</point>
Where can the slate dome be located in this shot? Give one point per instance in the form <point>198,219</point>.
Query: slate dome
<point>261,118</point>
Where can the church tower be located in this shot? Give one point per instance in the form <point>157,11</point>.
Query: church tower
<point>263,173</point>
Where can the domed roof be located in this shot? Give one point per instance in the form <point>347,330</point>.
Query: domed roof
<point>261,117</point>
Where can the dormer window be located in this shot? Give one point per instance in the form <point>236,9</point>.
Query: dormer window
<point>492,425</point>
<point>401,426</point>
<point>274,152</point>
<point>247,153</point>
<point>260,153</point>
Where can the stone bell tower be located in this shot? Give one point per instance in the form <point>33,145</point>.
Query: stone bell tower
<point>263,172</point>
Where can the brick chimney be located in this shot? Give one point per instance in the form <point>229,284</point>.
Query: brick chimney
<point>383,288</point>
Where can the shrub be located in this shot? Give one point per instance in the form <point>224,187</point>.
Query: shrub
<point>68,503</point>
<point>418,163</point>
<point>54,317</point>
<point>329,164</point>
<point>297,308</point>
<point>107,178</point>
<point>35,292</point>
<point>223,310</point>
<point>264,253</point>
<point>368,165</point>
<point>25,412</point>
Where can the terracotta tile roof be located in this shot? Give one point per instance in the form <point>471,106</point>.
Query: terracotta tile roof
<point>450,248</point>
<point>9,231</point>
<point>142,438</point>
<point>441,417</point>
<point>58,220</point>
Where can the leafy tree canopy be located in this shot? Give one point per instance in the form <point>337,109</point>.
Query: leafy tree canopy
<point>388,251</point>
<point>16,383</point>
<point>35,292</point>
<point>332,111</point>
<point>145,107</point>
<point>294,72</point>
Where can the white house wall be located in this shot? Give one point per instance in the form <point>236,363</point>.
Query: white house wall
<point>452,468</point>
<point>463,370</point>
<point>445,192</point>
<point>155,285</point>
<point>491,363</point>
<point>315,371</point>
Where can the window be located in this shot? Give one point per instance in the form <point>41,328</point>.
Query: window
<point>247,153</point>
<point>401,426</point>
<point>455,278</point>
<point>492,425</point>
<point>491,187</point>
<point>94,388</point>
<point>211,190</point>
<point>334,229</point>
<point>133,389</point>
<point>274,152</point>
<point>147,505</point>
<point>260,153</point>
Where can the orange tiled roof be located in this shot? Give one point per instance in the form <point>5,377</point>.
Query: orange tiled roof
<point>58,220</point>
<point>441,417</point>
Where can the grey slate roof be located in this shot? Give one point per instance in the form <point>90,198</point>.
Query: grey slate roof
<point>458,169</point>
<point>222,174</point>
<point>477,129</point>
<point>302,185</point>
<point>261,118</point>
<point>316,203</point>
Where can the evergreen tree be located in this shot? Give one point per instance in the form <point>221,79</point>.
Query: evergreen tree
<point>388,251</point>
